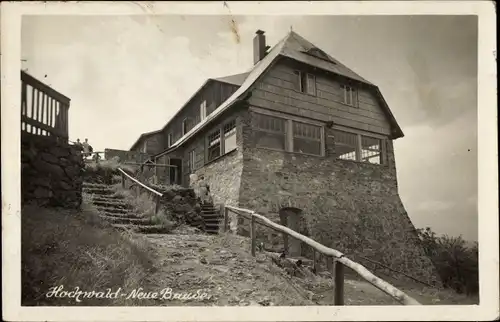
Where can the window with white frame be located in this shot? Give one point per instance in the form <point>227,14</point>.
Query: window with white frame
<point>350,95</point>
<point>192,161</point>
<point>203,110</point>
<point>305,82</point>
<point>358,147</point>
<point>306,138</point>
<point>230,136</point>
<point>214,145</point>
<point>270,131</point>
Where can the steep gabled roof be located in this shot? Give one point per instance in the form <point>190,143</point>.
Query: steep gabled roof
<point>144,135</point>
<point>295,47</point>
<point>237,79</point>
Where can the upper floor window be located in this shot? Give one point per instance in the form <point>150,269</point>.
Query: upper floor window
<point>358,147</point>
<point>184,126</point>
<point>305,82</point>
<point>306,138</point>
<point>169,140</point>
<point>350,97</point>
<point>203,110</point>
<point>272,132</point>
<point>218,147</point>
<point>214,145</point>
<point>191,161</point>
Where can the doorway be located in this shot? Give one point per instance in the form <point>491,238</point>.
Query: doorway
<point>290,217</point>
<point>175,174</point>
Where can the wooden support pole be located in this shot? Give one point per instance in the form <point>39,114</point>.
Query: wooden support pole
<point>252,234</point>
<point>225,213</point>
<point>339,283</point>
<point>157,204</point>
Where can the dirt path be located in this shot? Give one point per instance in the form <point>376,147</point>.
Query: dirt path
<point>223,269</point>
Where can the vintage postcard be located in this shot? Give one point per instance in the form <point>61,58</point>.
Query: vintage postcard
<point>249,161</point>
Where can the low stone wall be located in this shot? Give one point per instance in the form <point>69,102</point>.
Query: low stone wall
<point>180,205</point>
<point>51,173</point>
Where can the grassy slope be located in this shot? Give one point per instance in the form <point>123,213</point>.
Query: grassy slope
<point>76,249</point>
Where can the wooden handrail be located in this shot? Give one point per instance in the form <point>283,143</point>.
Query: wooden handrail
<point>338,256</point>
<point>139,183</point>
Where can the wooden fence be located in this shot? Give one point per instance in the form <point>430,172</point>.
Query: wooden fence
<point>155,194</point>
<point>44,111</point>
<point>338,259</point>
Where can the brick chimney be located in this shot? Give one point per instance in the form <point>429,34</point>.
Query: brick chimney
<point>259,46</point>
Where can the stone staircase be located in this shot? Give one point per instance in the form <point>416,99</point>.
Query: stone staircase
<point>212,218</point>
<point>114,209</point>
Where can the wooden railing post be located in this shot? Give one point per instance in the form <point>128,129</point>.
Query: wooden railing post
<point>157,204</point>
<point>339,283</point>
<point>225,213</point>
<point>252,234</point>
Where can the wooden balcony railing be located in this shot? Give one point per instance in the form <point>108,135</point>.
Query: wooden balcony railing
<point>44,111</point>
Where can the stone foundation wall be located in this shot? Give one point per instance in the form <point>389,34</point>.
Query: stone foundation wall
<point>51,173</point>
<point>346,205</point>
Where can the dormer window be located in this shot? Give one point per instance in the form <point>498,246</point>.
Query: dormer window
<point>305,82</point>
<point>350,95</point>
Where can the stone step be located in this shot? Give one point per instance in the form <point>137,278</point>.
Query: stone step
<point>98,191</point>
<point>119,215</point>
<point>108,197</point>
<point>112,204</point>
<point>112,210</point>
<point>133,221</point>
<point>94,185</point>
<point>212,221</point>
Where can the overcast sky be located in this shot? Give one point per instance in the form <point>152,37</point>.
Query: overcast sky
<point>128,75</point>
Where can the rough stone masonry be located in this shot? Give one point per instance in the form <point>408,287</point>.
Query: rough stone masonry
<point>51,173</point>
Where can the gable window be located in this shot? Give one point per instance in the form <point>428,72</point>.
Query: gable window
<point>358,147</point>
<point>191,161</point>
<point>214,145</point>
<point>280,133</point>
<point>350,97</point>
<point>230,136</point>
<point>270,131</point>
<point>203,110</point>
<point>306,138</point>
<point>169,140</point>
<point>305,82</point>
